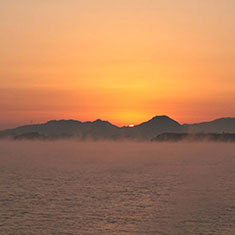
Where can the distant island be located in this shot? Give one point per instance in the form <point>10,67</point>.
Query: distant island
<point>177,137</point>
<point>159,128</point>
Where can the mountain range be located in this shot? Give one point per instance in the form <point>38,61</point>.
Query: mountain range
<point>104,130</point>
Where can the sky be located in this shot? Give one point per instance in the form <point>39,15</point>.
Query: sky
<point>124,61</point>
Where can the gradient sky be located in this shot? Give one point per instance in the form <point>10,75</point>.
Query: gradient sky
<point>123,61</point>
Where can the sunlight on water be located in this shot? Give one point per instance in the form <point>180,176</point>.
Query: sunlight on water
<point>116,188</point>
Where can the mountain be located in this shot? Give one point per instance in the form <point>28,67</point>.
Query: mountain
<point>66,129</point>
<point>216,126</point>
<point>153,127</point>
<point>104,130</point>
<point>30,136</point>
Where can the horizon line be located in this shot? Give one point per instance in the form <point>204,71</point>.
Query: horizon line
<point>99,119</point>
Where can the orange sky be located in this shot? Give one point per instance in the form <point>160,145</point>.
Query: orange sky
<point>123,61</point>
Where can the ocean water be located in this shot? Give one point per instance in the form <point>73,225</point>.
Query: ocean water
<point>116,188</point>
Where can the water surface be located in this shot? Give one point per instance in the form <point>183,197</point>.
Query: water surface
<point>116,188</point>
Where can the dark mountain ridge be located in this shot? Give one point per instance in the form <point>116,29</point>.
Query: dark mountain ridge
<point>153,127</point>
<point>216,126</point>
<point>101,130</point>
<point>66,128</point>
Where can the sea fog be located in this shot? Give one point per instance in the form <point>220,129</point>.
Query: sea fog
<point>71,187</point>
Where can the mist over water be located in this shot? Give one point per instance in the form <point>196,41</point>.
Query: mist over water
<point>69,187</point>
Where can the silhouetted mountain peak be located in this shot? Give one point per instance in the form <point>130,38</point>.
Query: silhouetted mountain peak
<point>220,125</point>
<point>99,121</point>
<point>225,119</point>
<point>160,120</point>
<point>160,117</point>
<point>103,123</point>
<point>100,129</point>
<point>70,121</point>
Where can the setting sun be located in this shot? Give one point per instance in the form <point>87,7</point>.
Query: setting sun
<point>117,117</point>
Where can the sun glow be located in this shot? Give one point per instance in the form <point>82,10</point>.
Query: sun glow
<point>131,125</point>
<point>116,60</point>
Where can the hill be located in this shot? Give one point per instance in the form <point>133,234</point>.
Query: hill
<point>104,130</point>
<point>220,125</point>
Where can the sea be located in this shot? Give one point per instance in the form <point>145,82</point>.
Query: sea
<point>72,187</point>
